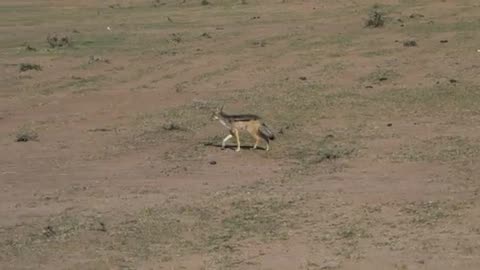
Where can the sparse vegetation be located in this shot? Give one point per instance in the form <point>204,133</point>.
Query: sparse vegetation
<point>157,3</point>
<point>374,161</point>
<point>27,66</point>
<point>176,37</point>
<point>30,48</point>
<point>172,127</point>
<point>94,59</point>
<point>59,40</point>
<point>376,18</point>
<point>410,43</point>
<point>25,134</point>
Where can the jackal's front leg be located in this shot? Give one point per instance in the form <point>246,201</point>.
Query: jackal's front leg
<point>229,136</point>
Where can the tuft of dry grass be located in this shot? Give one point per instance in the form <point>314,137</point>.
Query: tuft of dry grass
<point>25,134</point>
<point>59,40</point>
<point>376,19</point>
<point>28,66</point>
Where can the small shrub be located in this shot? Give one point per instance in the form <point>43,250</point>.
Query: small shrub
<point>206,35</point>
<point>205,3</point>
<point>331,153</point>
<point>30,48</point>
<point>410,43</point>
<point>26,134</point>
<point>59,41</point>
<point>172,127</point>
<point>95,59</point>
<point>176,37</point>
<point>26,67</point>
<point>157,3</point>
<point>375,19</point>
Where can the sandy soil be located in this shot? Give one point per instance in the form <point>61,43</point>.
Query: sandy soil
<point>375,163</point>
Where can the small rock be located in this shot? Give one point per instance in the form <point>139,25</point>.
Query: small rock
<point>368,86</point>
<point>383,79</point>
<point>443,41</point>
<point>453,81</point>
<point>389,124</point>
<point>421,261</point>
<point>303,78</point>
<point>212,162</point>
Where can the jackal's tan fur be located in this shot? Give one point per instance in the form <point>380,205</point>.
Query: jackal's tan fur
<point>243,122</point>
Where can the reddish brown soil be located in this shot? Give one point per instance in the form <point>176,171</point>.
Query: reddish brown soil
<point>405,198</point>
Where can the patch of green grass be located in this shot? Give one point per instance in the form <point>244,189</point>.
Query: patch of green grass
<point>440,98</point>
<point>380,75</point>
<point>351,231</point>
<point>319,151</point>
<point>440,148</point>
<point>175,124</point>
<point>441,27</point>
<point>100,42</point>
<point>77,85</point>
<point>214,226</point>
<point>34,239</point>
<point>257,217</point>
<point>344,40</point>
<point>427,213</point>
<point>206,227</point>
<point>379,52</point>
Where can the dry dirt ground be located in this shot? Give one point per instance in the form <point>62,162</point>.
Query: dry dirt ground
<point>375,164</point>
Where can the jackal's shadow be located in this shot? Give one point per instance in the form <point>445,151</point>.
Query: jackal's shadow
<point>234,146</point>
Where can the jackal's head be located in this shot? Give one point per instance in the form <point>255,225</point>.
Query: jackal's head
<point>216,113</point>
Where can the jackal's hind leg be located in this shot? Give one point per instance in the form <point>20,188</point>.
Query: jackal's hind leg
<point>237,136</point>
<point>257,140</point>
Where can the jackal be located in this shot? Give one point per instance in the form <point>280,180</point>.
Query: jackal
<point>240,122</point>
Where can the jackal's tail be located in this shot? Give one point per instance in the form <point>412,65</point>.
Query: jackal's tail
<point>266,133</point>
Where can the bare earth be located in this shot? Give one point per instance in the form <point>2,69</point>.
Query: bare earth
<point>375,164</point>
